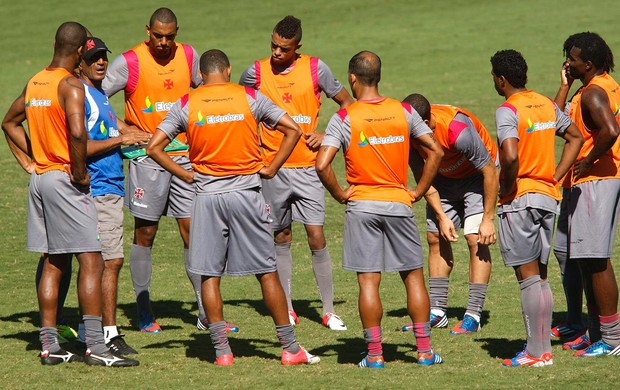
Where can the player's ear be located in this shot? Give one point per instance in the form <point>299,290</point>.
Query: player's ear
<point>228,71</point>
<point>148,30</point>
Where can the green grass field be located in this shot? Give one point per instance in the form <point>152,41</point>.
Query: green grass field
<point>440,49</point>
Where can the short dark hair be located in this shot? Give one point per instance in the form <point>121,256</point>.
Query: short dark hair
<point>163,15</point>
<point>595,49</point>
<point>289,28</point>
<point>510,64</point>
<point>420,104</point>
<point>366,66</point>
<point>69,37</point>
<point>213,61</point>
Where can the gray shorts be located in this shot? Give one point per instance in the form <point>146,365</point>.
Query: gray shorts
<point>295,194</point>
<point>593,213</point>
<point>151,191</point>
<point>61,218</point>
<point>525,235</point>
<point>375,243</point>
<point>230,234</point>
<point>560,242</point>
<point>110,216</point>
<point>460,199</point>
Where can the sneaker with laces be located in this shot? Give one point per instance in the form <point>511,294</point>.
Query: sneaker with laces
<point>333,322</point>
<point>51,359</point>
<point>524,359</point>
<point>436,322</point>
<point>579,343</point>
<point>430,358</point>
<point>566,331</point>
<point>118,346</point>
<point>204,325</point>
<point>301,357</point>
<point>372,362</point>
<point>147,323</point>
<point>66,332</point>
<point>109,359</point>
<point>466,326</point>
<point>292,317</point>
<point>224,360</point>
<point>600,348</point>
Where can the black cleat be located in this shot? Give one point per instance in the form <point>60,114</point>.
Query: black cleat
<point>118,346</point>
<point>109,359</point>
<point>62,356</point>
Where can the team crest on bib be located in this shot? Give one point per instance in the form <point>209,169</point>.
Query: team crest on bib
<point>138,193</point>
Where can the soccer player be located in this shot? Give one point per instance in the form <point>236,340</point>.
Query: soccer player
<point>105,166</point>
<point>153,75</point>
<point>62,219</point>
<point>527,124</point>
<point>467,184</point>
<point>594,200</point>
<point>380,232</point>
<point>230,230</point>
<point>294,82</point>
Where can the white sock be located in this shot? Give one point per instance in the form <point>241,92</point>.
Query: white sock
<point>109,332</point>
<point>438,312</point>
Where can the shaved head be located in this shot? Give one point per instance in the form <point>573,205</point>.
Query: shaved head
<point>420,104</point>
<point>164,16</point>
<point>213,61</point>
<point>69,37</point>
<point>366,66</point>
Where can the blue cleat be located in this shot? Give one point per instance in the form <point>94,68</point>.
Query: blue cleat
<point>600,348</point>
<point>436,322</point>
<point>524,359</point>
<point>428,359</point>
<point>468,325</point>
<point>147,323</point>
<point>372,362</point>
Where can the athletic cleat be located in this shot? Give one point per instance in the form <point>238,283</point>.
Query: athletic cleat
<point>436,322</point>
<point>66,332</point>
<point>333,322</point>
<point>566,331</point>
<point>204,325</point>
<point>301,357</point>
<point>147,323</point>
<point>224,360</point>
<point>547,357</point>
<point>581,342</point>
<point>109,359</point>
<point>62,356</point>
<point>292,317</point>
<point>118,346</point>
<point>372,362</point>
<point>428,359</point>
<point>466,326</point>
<point>600,348</point>
<point>524,359</point>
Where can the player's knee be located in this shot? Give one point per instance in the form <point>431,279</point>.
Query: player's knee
<point>283,236</point>
<point>432,238</point>
<point>472,241</point>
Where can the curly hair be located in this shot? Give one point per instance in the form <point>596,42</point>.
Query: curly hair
<point>595,49</point>
<point>510,64</point>
<point>288,28</point>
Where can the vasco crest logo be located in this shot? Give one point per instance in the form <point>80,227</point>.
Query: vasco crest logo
<point>287,98</point>
<point>168,84</point>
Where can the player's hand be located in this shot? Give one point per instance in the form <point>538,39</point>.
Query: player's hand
<point>346,194</point>
<point>447,230</point>
<point>80,179</point>
<point>415,195</point>
<point>486,232</point>
<point>133,137</point>
<point>188,177</point>
<point>267,172</point>
<point>582,168</point>
<point>313,140</point>
<point>29,167</point>
<point>565,75</point>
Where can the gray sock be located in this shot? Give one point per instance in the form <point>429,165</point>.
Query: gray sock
<point>531,299</point>
<point>322,268</point>
<point>49,339</point>
<point>94,334</point>
<point>196,285</point>
<point>438,293</point>
<point>284,264</point>
<point>286,335</point>
<point>141,267</point>
<point>547,312</point>
<point>610,329</point>
<point>217,330</point>
<point>477,295</point>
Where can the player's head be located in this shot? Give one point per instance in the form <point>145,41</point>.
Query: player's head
<point>94,60</point>
<point>422,106</point>
<point>508,66</point>
<point>365,69</point>
<point>69,41</point>
<point>285,41</point>
<point>589,54</point>
<point>162,31</point>
<point>214,61</point>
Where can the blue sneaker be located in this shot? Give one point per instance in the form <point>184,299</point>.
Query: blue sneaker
<point>468,325</point>
<point>600,348</point>
<point>428,359</point>
<point>436,322</point>
<point>147,323</point>
<point>372,362</point>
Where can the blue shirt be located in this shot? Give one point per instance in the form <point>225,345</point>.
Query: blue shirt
<point>106,170</point>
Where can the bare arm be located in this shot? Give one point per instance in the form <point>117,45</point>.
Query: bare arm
<point>509,161</point>
<point>292,133</point>
<point>155,150</point>
<point>328,177</point>
<point>16,135</point>
<point>71,97</point>
<point>128,137</point>
<point>486,231</point>
<point>565,83</point>
<point>574,141</point>
<point>314,139</point>
<point>429,145</point>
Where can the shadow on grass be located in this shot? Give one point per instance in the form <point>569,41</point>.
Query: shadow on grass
<point>454,314</point>
<point>162,309</point>
<point>304,308</point>
<point>353,350</point>
<point>501,347</point>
